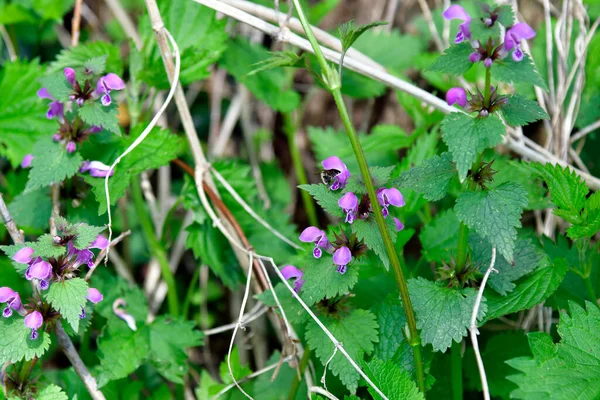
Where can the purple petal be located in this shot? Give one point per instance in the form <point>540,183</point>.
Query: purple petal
<point>488,62</point>
<point>474,57</point>
<point>84,257</point>
<point>334,162</point>
<point>112,82</point>
<point>55,109</point>
<point>457,96</point>
<point>311,234</point>
<point>23,256</point>
<point>43,93</point>
<point>26,163</point>
<point>349,201</point>
<point>44,284</point>
<point>521,31</point>
<point>317,252</point>
<point>105,99</point>
<point>94,295</point>
<point>70,75</point>
<point>34,320</point>
<point>57,137</point>
<point>40,270</point>
<point>6,294</point>
<point>289,271</point>
<point>15,303</point>
<point>394,197</point>
<point>7,312</point>
<point>456,12</point>
<point>95,129</point>
<point>71,147</point>
<point>96,168</point>
<point>399,224</point>
<point>99,243</point>
<point>342,256</point>
<point>517,55</point>
<point>121,313</point>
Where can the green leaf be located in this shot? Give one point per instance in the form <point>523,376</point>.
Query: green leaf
<point>439,237</point>
<point>367,230</point>
<point>32,209</point>
<point>529,291</point>
<point>524,71</point>
<point>506,15</point>
<point>382,47</point>
<point>94,113</point>
<point>57,85</point>
<point>392,321</point>
<point>566,370</point>
<point>169,339</point>
<point>78,56</point>
<point>46,247</point>
<point>293,310</point>
<point>52,392</point>
<point>96,65</point>
<point>326,198</point>
<point>466,137</point>
<point>15,342</point>
<point>431,179</point>
<point>51,164</point>
<point>278,387</point>
<point>526,259</point>
<point>443,314</point>
<point>349,33</point>
<point>591,226</point>
<point>393,381</point>
<point>380,175</point>
<point>69,298</point>
<point>357,342</point>
<point>494,214</point>
<point>318,271</point>
<point>22,114</point>
<point>455,60</point>
<point>85,234</point>
<point>482,32</point>
<point>520,111</point>
<point>279,59</point>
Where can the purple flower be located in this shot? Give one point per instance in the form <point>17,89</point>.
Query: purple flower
<point>55,109</point>
<point>457,12</point>
<point>12,300</point>
<point>456,95</point>
<point>99,243</point>
<point>289,271</point>
<point>475,57</point>
<point>349,203</point>
<point>95,129</point>
<point>107,83</point>
<point>70,75</point>
<point>26,163</point>
<point>312,234</point>
<point>80,257</point>
<point>71,147</point>
<point>387,197</point>
<point>23,256</point>
<point>341,258</point>
<point>41,270</point>
<point>94,295</point>
<point>399,224</point>
<point>34,321</point>
<point>514,36</point>
<point>488,62</point>
<point>336,173</point>
<point>96,168</point>
<point>121,313</point>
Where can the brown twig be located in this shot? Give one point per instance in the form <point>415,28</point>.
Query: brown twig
<point>101,255</point>
<point>76,23</point>
<point>10,225</point>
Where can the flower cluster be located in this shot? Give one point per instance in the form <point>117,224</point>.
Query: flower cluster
<point>477,102</point>
<point>335,176</point>
<point>42,272</point>
<point>490,51</point>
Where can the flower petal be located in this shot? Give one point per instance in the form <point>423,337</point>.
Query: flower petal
<point>456,12</point>
<point>311,234</point>
<point>70,75</point>
<point>457,96</point>
<point>94,295</point>
<point>349,201</point>
<point>342,256</point>
<point>334,162</point>
<point>6,294</point>
<point>394,197</point>
<point>40,270</point>
<point>43,93</point>
<point>521,31</point>
<point>399,224</point>
<point>34,320</point>
<point>113,81</point>
<point>23,256</point>
<point>99,243</point>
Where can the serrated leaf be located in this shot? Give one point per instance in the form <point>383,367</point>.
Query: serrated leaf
<point>380,176</point>
<point>494,214</point>
<point>443,313</point>
<point>526,259</point>
<point>439,237</point>
<point>46,247</point>
<point>326,198</point>
<point>520,111</point>
<point>506,15</point>
<point>431,179</point>
<point>294,312</point>
<point>393,381</point>
<point>169,339</point>
<point>367,230</point>
<point>15,342</point>
<point>349,33</point>
<point>357,342</point>
<point>591,226</point>
<point>482,32</point>
<point>52,164</point>
<point>78,56</point>
<point>85,234</point>
<point>69,298</point>
<point>455,60</point>
<point>382,47</point>
<point>32,209</point>
<point>52,392</point>
<point>529,291</point>
<point>94,113</point>
<point>96,65</point>
<point>524,71</point>
<point>392,321</point>
<point>467,137</point>
<point>321,270</point>
<point>566,370</point>
<point>278,59</point>
<point>57,85</point>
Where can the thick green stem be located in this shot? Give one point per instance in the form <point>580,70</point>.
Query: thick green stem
<point>488,87</point>
<point>463,247</point>
<point>289,127</point>
<point>457,377</point>
<point>156,248</point>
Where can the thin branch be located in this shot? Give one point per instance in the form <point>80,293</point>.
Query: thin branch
<point>585,131</point>
<point>435,35</point>
<point>125,21</point>
<point>322,392</point>
<point>257,311</point>
<point>55,193</point>
<point>233,114</point>
<point>11,227</point>
<point>75,23</point>
<point>102,253</point>
<point>473,328</point>
<point>12,54</point>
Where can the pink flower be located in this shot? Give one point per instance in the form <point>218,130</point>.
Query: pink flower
<point>289,271</point>
<point>336,173</point>
<point>349,203</point>
<point>94,295</point>
<point>12,300</point>
<point>34,321</point>
<point>387,197</point>
<point>312,234</point>
<point>107,83</point>
<point>457,12</point>
<point>513,38</point>
<point>457,96</point>
<point>96,169</point>
<point>342,258</point>
<point>26,163</point>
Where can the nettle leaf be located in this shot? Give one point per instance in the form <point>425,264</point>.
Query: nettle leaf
<point>392,380</point>
<point>96,65</point>
<point>328,199</point>
<point>22,115</point>
<point>439,237</point>
<point>524,71</point>
<point>51,164</point>
<point>382,47</point>
<point>530,291</point>
<point>69,298</point>
<point>566,370</point>
<point>46,247</point>
<point>317,271</point>
<point>367,230</point>
<point>506,15</point>
<point>85,234</point>
<point>391,320</point>
<point>89,53</point>
<point>494,214</point>
<point>526,259</point>
<point>466,137</point>
<point>349,33</point>
<point>443,313</point>
<point>293,310</point>
<point>279,59</point>
<point>380,175</point>
<point>169,339</point>
<point>357,331</point>
<point>15,342</point>
<point>455,60</point>
<point>52,392</point>
<point>57,85</point>
<point>520,111</point>
<point>32,209</point>
<point>591,226</point>
<point>94,113</point>
<point>567,189</point>
<point>431,179</point>
<point>482,32</point>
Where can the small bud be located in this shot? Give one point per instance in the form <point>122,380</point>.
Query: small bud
<point>487,62</point>
<point>475,57</point>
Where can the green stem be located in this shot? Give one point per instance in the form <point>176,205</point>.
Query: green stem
<point>190,293</point>
<point>156,248</point>
<point>25,371</point>
<point>457,376</point>
<point>289,127</point>
<point>463,247</point>
<point>589,286</point>
<point>488,87</point>
<point>301,369</point>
